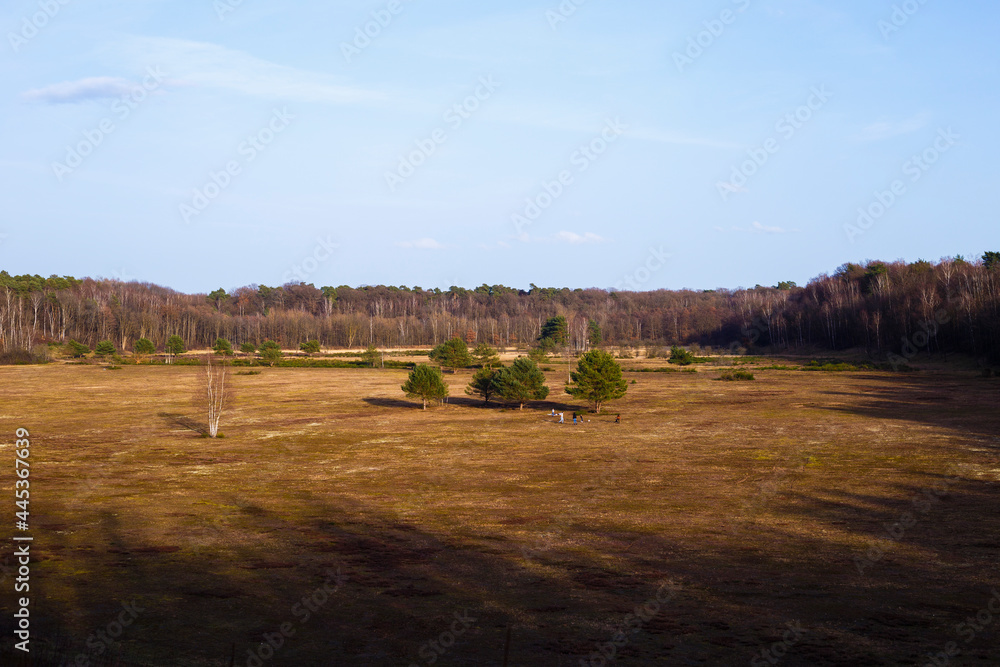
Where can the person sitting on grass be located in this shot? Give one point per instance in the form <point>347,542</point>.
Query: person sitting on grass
<point>618,419</point>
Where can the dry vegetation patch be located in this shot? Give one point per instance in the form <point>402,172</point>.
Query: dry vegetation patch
<point>755,498</point>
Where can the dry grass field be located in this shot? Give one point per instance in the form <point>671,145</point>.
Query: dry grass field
<point>747,507</point>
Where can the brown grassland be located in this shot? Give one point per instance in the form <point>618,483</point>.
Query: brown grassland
<point>756,500</point>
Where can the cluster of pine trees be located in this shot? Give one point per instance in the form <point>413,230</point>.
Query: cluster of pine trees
<point>598,377</point>
<point>884,307</point>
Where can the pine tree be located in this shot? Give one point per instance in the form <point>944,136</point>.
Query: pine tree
<point>426,383</point>
<point>105,348</point>
<point>175,345</point>
<point>454,354</point>
<point>223,347</point>
<point>484,383</point>
<point>143,348</point>
<point>486,356</point>
<point>598,378</point>
<point>371,356</point>
<point>521,382</point>
<point>555,330</point>
<point>270,352</point>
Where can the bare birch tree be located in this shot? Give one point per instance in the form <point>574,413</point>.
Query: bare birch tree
<point>218,392</point>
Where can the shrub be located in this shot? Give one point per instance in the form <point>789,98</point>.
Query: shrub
<point>370,357</point>
<point>680,356</point>
<point>19,358</point>
<point>737,376</point>
<point>143,347</point>
<point>270,352</point>
<point>248,348</point>
<point>76,350</point>
<point>310,346</point>
<point>223,347</point>
<point>538,355</point>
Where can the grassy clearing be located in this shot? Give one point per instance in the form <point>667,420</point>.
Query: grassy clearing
<point>756,498</point>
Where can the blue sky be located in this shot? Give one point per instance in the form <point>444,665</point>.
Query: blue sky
<point>645,145</point>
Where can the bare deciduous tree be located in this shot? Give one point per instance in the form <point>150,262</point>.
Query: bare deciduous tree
<point>218,392</point>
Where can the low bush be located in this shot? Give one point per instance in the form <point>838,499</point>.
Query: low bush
<point>737,376</point>
<point>21,358</point>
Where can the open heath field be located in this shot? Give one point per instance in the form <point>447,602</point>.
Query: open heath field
<point>804,518</point>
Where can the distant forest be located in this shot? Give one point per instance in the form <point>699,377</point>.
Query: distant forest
<point>892,310</point>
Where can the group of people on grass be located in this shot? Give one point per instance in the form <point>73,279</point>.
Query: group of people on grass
<point>562,418</point>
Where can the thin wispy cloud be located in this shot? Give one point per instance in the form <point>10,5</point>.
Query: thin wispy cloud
<point>888,129</point>
<point>577,239</point>
<point>420,244</point>
<point>215,67</point>
<point>83,90</point>
<point>758,228</point>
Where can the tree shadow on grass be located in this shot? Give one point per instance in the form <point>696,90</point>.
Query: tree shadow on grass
<point>183,422</point>
<point>236,575</point>
<point>392,403</point>
<point>962,404</point>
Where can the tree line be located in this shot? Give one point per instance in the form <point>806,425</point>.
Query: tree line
<point>887,308</point>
